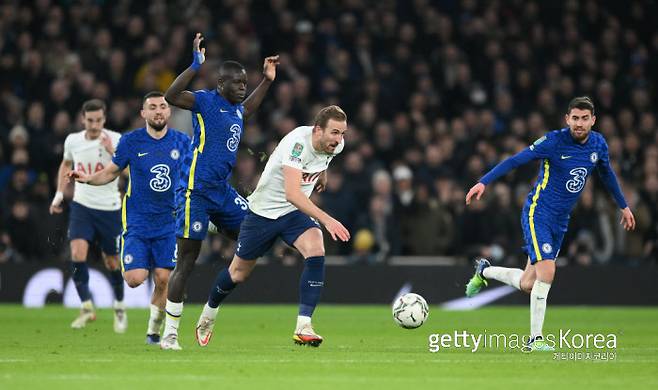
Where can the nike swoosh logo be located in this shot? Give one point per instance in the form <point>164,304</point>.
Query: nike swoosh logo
<point>563,157</point>
<point>142,154</point>
<point>220,110</point>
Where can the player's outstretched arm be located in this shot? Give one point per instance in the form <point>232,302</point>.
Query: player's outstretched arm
<point>62,181</point>
<point>477,191</point>
<point>293,178</point>
<point>254,100</point>
<point>109,173</point>
<point>176,95</point>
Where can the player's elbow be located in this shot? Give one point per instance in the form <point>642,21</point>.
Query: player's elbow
<point>170,96</point>
<point>291,195</point>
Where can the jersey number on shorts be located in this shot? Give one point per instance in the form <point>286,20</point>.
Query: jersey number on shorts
<point>234,141</point>
<point>578,181</point>
<point>161,182</point>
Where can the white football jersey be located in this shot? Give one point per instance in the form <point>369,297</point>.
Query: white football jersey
<point>89,156</point>
<point>295,150</point>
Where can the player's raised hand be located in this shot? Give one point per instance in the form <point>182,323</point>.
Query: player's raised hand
<point>269,67</point>
<point>336,229</point>
<point>78,176</point>
<point>627,219</point>
<point>477,191</point>
<point>106,141</point>
<point>198,52</point>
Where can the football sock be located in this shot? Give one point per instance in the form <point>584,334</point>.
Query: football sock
<point>509,276</point>
<point>116,280</point>
<point>210,312</point>
<point>222,288</point>
<point>538,297</point>
<point>310,285</point>
<point>80,273</point>
<point>174,311</point>
<point>301,321</point>
<point>155,320</point>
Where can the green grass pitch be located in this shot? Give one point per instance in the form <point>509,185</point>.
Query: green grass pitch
<point>252,348</point>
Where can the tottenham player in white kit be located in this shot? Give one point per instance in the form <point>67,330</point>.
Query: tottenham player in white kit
<point>95,212</point>
<point>280,207</point>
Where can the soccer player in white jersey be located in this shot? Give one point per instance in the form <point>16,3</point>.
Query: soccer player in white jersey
<point>280,207</point>
<point>95,211</point>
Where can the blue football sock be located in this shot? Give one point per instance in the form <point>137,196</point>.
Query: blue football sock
<point>80,273</point>
<point>221,289</point>
<point>116,280</point>
<point>310,285</point>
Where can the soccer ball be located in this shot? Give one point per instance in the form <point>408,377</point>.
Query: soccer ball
<point>410,311</point>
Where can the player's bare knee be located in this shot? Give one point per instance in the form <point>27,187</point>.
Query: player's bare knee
<point>161,279</point>
<point>134,279</point>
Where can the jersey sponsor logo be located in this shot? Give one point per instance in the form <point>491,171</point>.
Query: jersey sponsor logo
<point>577,182</point>
<point>233,142</point>
<point>308,178</point>
<point>196,226</point>
<point>241,202</point>
<point>296,159</point>
<point>594,157</point>
<point>161,182</point>
<point>142,154</point>
<point>81,168</point>
<point>563,157</point>
<point>297,149</point>
<point>174,154</point>
<point>547,248</point>
<point>127,259</point>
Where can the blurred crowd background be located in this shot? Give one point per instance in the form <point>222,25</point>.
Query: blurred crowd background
<point>437,92</point>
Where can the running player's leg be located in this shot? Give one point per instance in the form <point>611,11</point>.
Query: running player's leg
<point>163,254</point>
<point>191,229</point>
<point>81,232</point>
<point>257,235</point>
<point>107,225</point>
<point>305,235</point>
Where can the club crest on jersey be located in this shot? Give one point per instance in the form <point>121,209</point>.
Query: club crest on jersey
<point>297,149</point>
<point>127,259</point>
<point>174,154</point>
<point>547,248</point>
<point>594,157</point>
<point>196,226</point>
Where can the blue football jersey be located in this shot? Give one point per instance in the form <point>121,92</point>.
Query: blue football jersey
<point>217,132</point>
<point>155,169</point>
<point>564,169</point>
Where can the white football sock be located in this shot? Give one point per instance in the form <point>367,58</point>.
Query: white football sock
<point>155,320</point>
<point>538,297</point>
<point>174,312</point>
<point>210,312</point>
<point>509,276</point>
<point>301,321</point>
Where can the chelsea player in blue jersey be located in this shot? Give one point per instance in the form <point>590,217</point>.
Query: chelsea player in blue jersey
<point>154,156</point>
<point>567,156</point>
<point>218,116</point>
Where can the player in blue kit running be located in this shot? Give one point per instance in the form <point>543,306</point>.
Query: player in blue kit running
<point>568,157</point>
<point>218,117</point>
<point>154,157</point>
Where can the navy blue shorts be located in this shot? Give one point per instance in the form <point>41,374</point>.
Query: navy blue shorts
<point>223,206</point>
<point>543,236</point>
<point>257,234</point>
<point>89,224</point>
<point>147,253</point>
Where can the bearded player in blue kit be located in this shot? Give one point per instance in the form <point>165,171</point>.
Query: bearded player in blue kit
<point>154,156</point>
<point>218,117</point>
<point>568,157</point>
